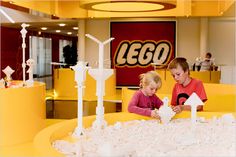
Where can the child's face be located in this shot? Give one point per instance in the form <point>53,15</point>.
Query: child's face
<point>150,89</point>
<point>179,75</point>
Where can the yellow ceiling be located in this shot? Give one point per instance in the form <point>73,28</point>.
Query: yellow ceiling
<point>82,8</point>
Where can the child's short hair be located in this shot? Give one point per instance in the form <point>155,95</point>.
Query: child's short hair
<point>208,54</point>
<point>179,61</point>
<point>148,77</point>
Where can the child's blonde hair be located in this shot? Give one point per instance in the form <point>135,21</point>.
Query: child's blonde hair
<point>148,77</point>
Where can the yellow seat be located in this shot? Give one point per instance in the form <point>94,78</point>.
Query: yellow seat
<point>221,103</point>
<point>126,96</point>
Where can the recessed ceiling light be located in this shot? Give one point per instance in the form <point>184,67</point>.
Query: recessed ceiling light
<point>58,31</point>
<point>69,33</point>
<point>75,28</point>
<point>61,24</point>
<point>128,6</point>
<point>44,28</point>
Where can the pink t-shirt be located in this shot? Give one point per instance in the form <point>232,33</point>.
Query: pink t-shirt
<point>180,93</point>
<point>142,104</point>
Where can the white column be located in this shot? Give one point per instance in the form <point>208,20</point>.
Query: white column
<point>81,40</point>
<point>203,36</point>
<point>234,77</point>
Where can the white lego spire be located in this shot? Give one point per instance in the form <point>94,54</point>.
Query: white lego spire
<point>23,34</point>
<point>100,75</point>
<point>80,76</point>
<point>193,101</point>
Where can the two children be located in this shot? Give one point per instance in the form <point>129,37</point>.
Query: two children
<point>144,101</point>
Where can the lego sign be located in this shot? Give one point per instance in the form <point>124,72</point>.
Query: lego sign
<point>142,53</point>
<point>137,45</point>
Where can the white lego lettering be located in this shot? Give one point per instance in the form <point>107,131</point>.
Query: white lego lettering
<point>133,53</point>
<point>146,52</point>
<point>122,50</point>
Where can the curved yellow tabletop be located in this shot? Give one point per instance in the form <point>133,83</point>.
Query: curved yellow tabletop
<point>43,140</point>
<point>22,113</point>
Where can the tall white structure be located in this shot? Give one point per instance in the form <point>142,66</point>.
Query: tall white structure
<point>23,35</point>
<point>80,76</point>
<point>100,75</point>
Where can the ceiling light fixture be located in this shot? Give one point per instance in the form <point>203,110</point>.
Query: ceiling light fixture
<point>44,28</point>
<point>61,24</point>
<point>128,6</point>
<point>58,31</point>
<point>69,33</point>
<point>75,28</point>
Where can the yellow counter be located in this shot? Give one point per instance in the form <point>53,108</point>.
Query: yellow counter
<point>65,86</point>
<point>22,113</point>
<point>205,76</point>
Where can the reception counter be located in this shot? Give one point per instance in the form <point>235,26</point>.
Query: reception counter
<point>22,113</point>
<point>205,76</point>
<point>65,86</point>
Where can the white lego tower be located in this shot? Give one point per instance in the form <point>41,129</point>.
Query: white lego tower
<point>100,75</point>
<point>23,34</point>
<point>80,76</point>
<point>30,81</point>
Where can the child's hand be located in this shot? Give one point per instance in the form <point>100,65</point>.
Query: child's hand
<point>177,109</point>
<point>154,114</point>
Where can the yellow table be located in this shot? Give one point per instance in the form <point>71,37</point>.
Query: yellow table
<point>22,113</point>
<point>43,141</point>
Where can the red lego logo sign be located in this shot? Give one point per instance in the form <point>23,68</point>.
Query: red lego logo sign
<point>137,45</point>
<point>138,53</point>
